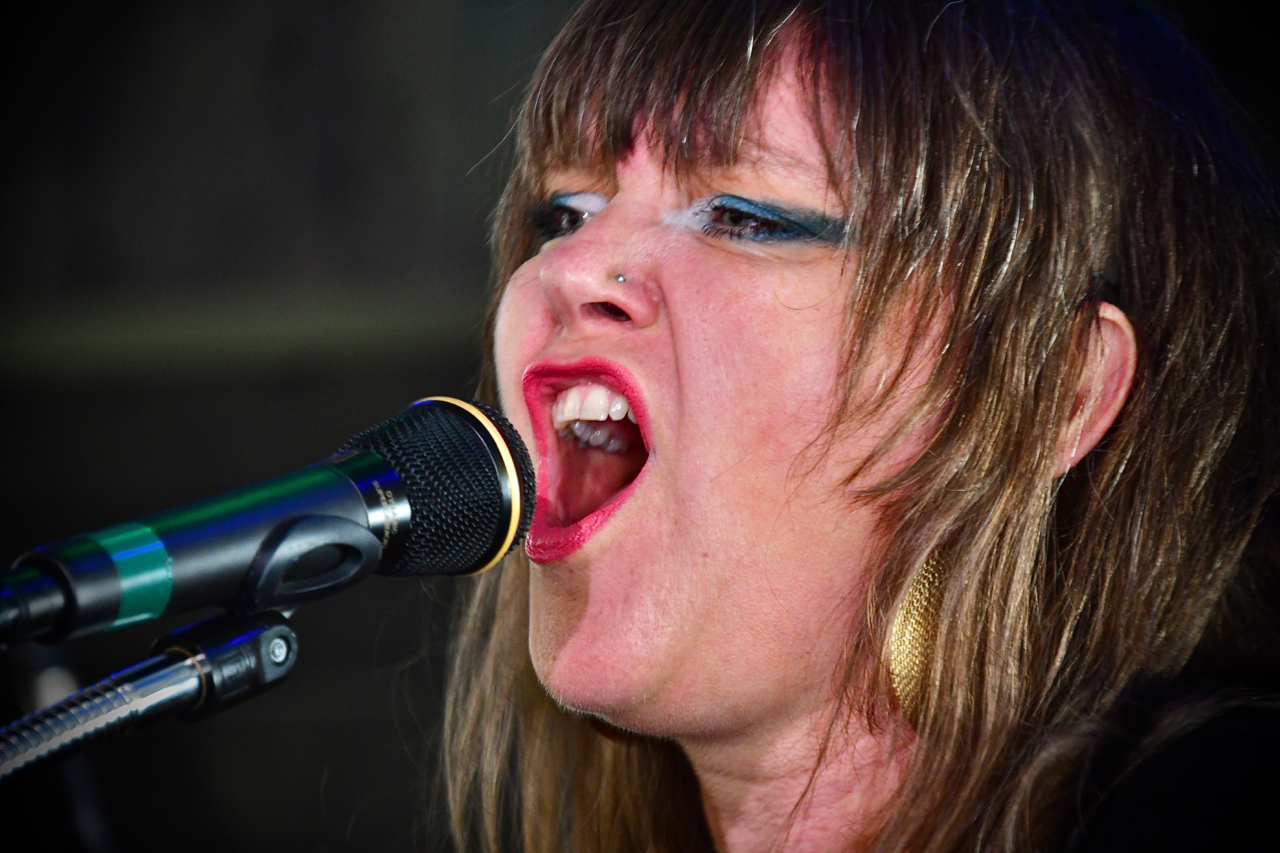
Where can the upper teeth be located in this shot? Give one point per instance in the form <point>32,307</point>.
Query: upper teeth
<point>590,402</point>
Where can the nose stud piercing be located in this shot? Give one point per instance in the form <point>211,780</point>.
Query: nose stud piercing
<point>620,278</point>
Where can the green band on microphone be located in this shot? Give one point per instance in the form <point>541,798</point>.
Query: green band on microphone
<point>145,569</point>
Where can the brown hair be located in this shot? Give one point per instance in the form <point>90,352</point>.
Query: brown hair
<point>1006,165</point>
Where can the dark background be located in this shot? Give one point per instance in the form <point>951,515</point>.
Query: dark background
<point>232,235</point>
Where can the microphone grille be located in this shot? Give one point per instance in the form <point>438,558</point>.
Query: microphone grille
<point>457,483</point>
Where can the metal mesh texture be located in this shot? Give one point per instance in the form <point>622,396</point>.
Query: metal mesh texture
<point>912,640</point>
<point>453,482</point>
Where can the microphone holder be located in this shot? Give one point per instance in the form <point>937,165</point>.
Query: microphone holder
<point>195,671</point>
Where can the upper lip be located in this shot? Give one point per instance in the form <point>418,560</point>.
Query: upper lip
<point>544,380</point>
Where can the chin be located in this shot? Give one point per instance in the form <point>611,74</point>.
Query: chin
<point>598,673</point>
<point>624,706</point>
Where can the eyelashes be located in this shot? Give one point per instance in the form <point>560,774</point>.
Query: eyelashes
<point>722,216</point>
<point>738,218</point>
<point>563,215</point>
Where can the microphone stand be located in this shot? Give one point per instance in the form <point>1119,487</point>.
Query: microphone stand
<point>195,671</point>
<point>205,667</point>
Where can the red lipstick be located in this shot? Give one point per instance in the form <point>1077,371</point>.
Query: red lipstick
<point>565,469</point>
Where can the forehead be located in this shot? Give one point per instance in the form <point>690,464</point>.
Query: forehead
<point>782,133</point>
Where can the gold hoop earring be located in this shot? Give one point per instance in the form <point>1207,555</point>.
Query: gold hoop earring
<point>911,640</point>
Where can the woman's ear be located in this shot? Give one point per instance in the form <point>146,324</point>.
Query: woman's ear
<point>1104,385</point>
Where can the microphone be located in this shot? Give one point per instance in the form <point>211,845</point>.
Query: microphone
<point>445,487</point>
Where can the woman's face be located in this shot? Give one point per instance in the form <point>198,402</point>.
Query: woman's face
<point>693,576</point>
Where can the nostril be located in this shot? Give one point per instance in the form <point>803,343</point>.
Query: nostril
<point>608,309</point>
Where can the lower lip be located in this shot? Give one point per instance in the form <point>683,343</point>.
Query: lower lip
<point>547,543</point>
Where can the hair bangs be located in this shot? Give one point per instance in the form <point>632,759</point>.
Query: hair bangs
<point>622,70</point>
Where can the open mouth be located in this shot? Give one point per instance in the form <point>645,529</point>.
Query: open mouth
<point>592,451</point>
<point>598,449</point>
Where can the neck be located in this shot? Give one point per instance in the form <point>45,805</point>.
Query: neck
<point>761,793</point>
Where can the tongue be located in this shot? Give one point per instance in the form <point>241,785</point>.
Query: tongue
<point>589,478</point>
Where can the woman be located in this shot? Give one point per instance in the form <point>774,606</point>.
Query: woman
<point>896,379</point>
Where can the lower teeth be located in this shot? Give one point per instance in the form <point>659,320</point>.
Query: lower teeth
<point>588,434</point>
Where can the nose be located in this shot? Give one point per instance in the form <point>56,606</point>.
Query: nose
<point>599,277</point>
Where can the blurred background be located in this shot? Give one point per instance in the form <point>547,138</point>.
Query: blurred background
<point>231,236</point>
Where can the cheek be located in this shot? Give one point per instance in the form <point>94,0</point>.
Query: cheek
<point>775,368</point>
<point>506,351</point>
<point>519,329</point>
<point>513,342</point>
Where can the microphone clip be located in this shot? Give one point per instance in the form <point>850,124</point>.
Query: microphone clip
<point>307,558</point>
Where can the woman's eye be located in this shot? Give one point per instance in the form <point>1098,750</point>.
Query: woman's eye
<point>554,220</point>
<point>741,219</point>
<point>564,214</point>
<point>740,224</point>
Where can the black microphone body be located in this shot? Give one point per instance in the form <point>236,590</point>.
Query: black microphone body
<point>445,487</point>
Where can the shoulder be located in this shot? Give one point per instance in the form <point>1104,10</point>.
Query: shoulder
<point>1215,787</point>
